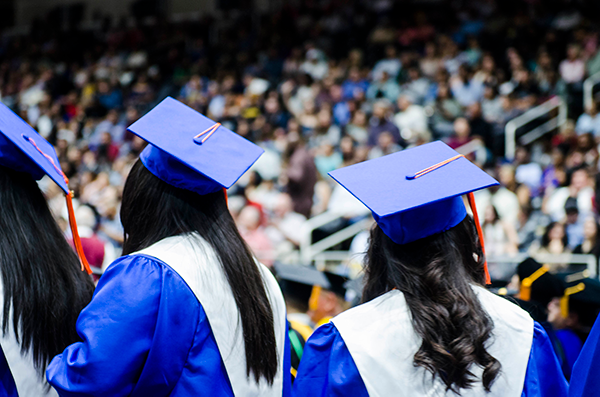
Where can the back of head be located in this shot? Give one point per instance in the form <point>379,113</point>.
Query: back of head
<point>44,289</point>
<point>435,274</point>
<point>153,210</point>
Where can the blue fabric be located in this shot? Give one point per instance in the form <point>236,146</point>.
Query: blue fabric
<point>19,154</point>
<point>8,388</point>
<point>144,334</point>
<point>408,208</point>
<point>427,220</point>
<point>327,368</point>
<point>544,377</point>
<point>173,127</point>
<point>572,345</point>
<point>175,173</point>
<point>585,380</point>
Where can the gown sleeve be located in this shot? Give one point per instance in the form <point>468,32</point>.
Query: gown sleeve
<point>137,300</point>
<point>327,368</point>
<point>585,379</point>
<point>544,377</point>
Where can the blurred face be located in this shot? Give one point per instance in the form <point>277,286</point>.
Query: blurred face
<point>590,229</point>
<point>461,127</point>
<point>403,103</point>
<point>379,111</point>
<point>506,175</point>
<point>557,232</point>
<point>579,179</point>
<point>385,140</point>
<point>249,218</point>
<point>554,314</point>
<point>283,205</point>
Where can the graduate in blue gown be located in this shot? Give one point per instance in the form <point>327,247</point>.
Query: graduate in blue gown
<point>187,311</point>
<point>427,326</point>
<point>585,381</point>
<point>42,286</point>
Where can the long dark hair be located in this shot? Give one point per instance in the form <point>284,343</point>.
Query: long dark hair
<point>435,274</point>
<point>153,210</point>
<point>42,280</point>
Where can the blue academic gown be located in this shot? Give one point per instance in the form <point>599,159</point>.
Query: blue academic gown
<point>8,388</point>
<point>327,368</point>
<point>585,379</point>
<point>144,334</point>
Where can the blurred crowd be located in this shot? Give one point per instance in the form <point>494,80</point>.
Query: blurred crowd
<point>323,85</point>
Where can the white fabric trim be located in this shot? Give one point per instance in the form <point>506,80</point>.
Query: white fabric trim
<point>27,380</point>
<point>380,337</point>
<point>196,262</point>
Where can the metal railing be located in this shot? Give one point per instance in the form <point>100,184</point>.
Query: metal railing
<point>588,89</point>
<point>529,116</point>
<point>586,259</point>
<point>309,251</point>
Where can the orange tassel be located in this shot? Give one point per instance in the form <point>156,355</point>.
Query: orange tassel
<point>85,266</point>
<point>226,197</point>
<point>471,198</point>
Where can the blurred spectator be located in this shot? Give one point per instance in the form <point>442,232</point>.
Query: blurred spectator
<point>285,227</point>
<point>379,124</point>
<point>411,119</point>
<point>249,223</point>
<point>574,225</point>
<point>389,67</point>
<point>500,237</point>
<point>554,241</point>
<point>579,188</point>
<point>301,174</point>
<point>589,122</point>
<point>572,69</point>
<point>591,239</point>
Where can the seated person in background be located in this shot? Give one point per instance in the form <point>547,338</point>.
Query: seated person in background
<point>296,283</point>
<point>536,288</point>
<point>285,227</point>
<point>573,315</point>
<point>328,300</point>
<point>585,380</point>
<point>249,224</point>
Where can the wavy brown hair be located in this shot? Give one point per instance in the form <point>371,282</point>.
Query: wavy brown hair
<point>435,275</point>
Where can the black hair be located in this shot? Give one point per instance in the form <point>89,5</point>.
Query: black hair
<point>43,285</point>
<point>183,211</point>
<point>546,237</point>
<point>435,275</point>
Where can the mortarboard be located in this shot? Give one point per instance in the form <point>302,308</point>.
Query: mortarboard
<point>582,296</point>
<point>537,284</point>
<point>298,282</point>
<point>417,192</point>
<point>190,151</point>
<point>24,150</point>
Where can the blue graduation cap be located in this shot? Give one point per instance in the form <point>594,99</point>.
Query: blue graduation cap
<point>24,150</point>
<point>417,192</point>
<point>190,151</point>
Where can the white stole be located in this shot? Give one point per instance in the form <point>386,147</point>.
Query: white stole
<point>27,379</point>
<point>381,340</point>
<point>197,264</point>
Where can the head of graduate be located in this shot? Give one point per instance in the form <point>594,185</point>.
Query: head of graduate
<point>425,245</point>
<point>43,287</point>
<point>178,187</point>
